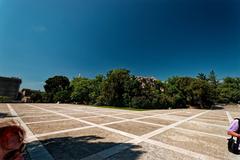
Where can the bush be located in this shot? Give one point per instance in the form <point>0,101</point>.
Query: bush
<point>36,97</point>
<point>62,96</point>
<point>140,102</point>
<point>4,99</point>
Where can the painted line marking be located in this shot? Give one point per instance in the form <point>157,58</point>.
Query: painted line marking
<point>39,116</point>
<point>89,123</point>
<point>230,119</point>
<point>104,153</point>
<point>49,121</point>
<point>36,150</point>
<point>145,138</point>
<point>62,131</point>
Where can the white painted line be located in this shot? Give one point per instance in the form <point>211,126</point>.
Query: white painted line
<point>161,130</point>
<point>96,113</point>
<point>230,119</point>
<point>111,151</point>
<point>92,124</point>
<point>116,149</point>
<point>149,123</point>
<point>100,116</point>
<point>38,116</point>
<point>125,119</point>
<point>103,125</point>
<point>35,149</point>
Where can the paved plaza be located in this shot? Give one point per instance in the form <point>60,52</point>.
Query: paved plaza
<point>78,132</point>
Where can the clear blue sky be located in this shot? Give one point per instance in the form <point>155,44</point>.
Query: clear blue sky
<point>160,38</point>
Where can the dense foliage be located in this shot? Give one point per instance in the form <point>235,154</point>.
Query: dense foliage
<point>57,89</point>
<point>120,88</point>
<point>4,99</point>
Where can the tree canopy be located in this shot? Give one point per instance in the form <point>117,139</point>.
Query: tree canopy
<point>121,88</point>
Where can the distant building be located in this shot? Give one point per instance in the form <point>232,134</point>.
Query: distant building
<point>9,87</point>
<point>26,94</point>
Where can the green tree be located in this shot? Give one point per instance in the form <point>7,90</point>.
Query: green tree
<point>202,76</point>
<point>212,78</point>
<point>114,87</point>
<point>229,90</point>
<point>203,93</point>
<point>56,84</point>
<point>81,90</point>
<point>36,97</point>
<point>62,96</point>
<point>96,88</point>
<point>180,90</point>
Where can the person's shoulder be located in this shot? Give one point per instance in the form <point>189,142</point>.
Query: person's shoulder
<point>235,121</point>
<point>234,126</point>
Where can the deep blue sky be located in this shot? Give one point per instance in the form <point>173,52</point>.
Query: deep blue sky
<point>160,38</point>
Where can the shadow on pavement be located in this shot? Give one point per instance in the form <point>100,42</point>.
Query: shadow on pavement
<point>218,107</point>
<point>76,148</point>
<point>5,115</point>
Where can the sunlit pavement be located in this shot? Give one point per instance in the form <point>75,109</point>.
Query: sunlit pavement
<point>78,132</point>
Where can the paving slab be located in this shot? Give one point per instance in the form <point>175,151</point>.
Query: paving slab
<point>158,121</point>
<point>135,128</point>
<point>232,108</point>
<point>223,123</point>
<point>185,114</point>
<point>235,114</point>
<point>171,117</point>
<point>109,112</point>
<point>36,115</point>
<point>199,143</point>
<point>85,142</point>
<point>214,117</point>
<point>129,116</point>
<point>68,111</point>
<point>23,107</point>
<point>81,115</point>
<point>42,118</point>
<point>79,144</point>
<point>55,126</point>
<point>101,119</point>
<point>204,128</point>
<point>145,151</point>
<point>145,113</point>
<point>3,108</point>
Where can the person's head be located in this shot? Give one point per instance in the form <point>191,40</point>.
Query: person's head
<point>11,136</point>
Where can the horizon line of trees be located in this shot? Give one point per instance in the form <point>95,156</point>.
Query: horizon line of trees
<point>122,89</point>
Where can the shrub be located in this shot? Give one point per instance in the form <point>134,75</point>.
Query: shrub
<point>4,99</point>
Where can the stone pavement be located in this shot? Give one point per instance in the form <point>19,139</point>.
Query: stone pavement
<point>79,132</point>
